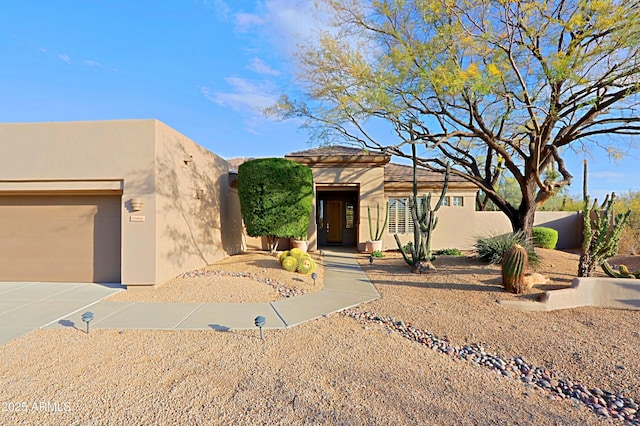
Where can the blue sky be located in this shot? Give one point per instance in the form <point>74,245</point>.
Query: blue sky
<point>203,67</point>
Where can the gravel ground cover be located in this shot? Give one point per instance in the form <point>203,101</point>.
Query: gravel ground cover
<point>347,368</point>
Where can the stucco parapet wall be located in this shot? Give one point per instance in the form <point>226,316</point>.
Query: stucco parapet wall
<point>619,293</point>
<point>341,160</point>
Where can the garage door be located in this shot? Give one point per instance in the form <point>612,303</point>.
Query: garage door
<point>66,238</point>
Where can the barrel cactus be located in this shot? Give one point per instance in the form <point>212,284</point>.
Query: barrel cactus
<point>290,264</point>
<point>283,255</point>
<point>306,265</point>
<point>296,252</point>
<point>514,265</point>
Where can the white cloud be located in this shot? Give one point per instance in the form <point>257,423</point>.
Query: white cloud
<point>219,7</point>
<point>606,175</point>
<point>259,66</point>
<point>246,21</point>
<point>65,58</point>
<point>92,64</point>
<point>244,96</point>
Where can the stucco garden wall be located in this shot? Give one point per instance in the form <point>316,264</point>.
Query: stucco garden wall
<point>195,224</point>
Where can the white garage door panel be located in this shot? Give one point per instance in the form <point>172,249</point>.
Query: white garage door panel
<point>60,238</point>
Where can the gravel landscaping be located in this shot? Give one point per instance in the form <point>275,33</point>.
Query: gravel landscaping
<point>435,349</point>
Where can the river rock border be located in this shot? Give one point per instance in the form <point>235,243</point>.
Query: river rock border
<point>284,292</point>
<point>602,402</point>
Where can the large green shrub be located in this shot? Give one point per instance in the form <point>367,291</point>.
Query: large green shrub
<point>544,237</point>
<point>491,248</point>
<point>276,196</point>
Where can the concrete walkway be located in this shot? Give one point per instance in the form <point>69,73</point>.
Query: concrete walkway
<point>25,307</point>
<point>345,285</point>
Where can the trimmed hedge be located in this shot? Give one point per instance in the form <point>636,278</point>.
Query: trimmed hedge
<point>544,237</point>
<point>276,197</point>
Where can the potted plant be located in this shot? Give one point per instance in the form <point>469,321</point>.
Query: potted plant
<point>300,242</point>
<point>375,241</point>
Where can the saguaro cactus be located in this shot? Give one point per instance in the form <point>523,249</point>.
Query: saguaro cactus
<point>514,265</point>
<point>424,222</point>
<point>601,233</point>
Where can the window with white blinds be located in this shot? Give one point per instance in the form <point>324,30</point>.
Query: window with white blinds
<point>400,220</point>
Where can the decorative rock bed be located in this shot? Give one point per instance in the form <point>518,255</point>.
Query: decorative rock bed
<point>602,402</point>
<point>283,291</point>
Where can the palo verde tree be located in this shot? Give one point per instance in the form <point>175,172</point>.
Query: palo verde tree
<point>276,197</point>
<point>493,86</point>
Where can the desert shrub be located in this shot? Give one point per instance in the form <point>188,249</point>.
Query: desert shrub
<point>491,248</point>
<point>448,252</point>
<point>377,253</point>
<point>544,237</point>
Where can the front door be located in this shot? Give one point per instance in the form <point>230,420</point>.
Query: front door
<point>334,221</point>
<point>337,217</point>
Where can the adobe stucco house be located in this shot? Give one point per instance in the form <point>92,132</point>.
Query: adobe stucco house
<point>135,202</point>
<point>130,201</point>
<point>350,180</point>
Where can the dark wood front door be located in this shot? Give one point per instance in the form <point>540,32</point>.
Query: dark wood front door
<point>334,221</point>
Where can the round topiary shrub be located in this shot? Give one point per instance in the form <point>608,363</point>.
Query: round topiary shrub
<point>290,264</point>
<point>544,237</point>
<point>306,265</point>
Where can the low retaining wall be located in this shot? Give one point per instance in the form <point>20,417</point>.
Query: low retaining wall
<point>619,293</point>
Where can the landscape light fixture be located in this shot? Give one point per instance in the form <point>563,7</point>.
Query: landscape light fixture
<point>259,322</point>
<point>313,277</point>
<point>371,260</point>
<point>87,317</point>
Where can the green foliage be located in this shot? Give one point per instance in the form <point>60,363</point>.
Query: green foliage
<point>514,265</point>
<point>491,248</point>
<point>489,85</point>
<point>448,252</point>
<point>276,197</point>
<point>377,253</point>
<point>601,233</point>
<point>377,236</point>
<point>544,237</point>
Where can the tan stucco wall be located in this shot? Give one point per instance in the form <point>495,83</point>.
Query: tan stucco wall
<point>455,227</point>
<point>369,180</point>
<point>55,156</point>
<point>191,232</point>
<point>120,156</point>
<point>568,225</point>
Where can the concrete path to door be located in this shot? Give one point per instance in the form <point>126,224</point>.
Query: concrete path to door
<point>27,306</point>
<point>345,286</point>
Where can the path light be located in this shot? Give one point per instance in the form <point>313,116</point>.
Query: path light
<point>371,260</point>
<point>313,277</point>
<point>259,322</point>
<point>87,317</point>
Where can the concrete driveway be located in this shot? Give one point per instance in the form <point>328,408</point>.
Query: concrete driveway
<point>28,306</point>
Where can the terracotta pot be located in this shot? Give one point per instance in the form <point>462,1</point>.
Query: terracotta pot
<point>301,244</point>
<point>373,246</point>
